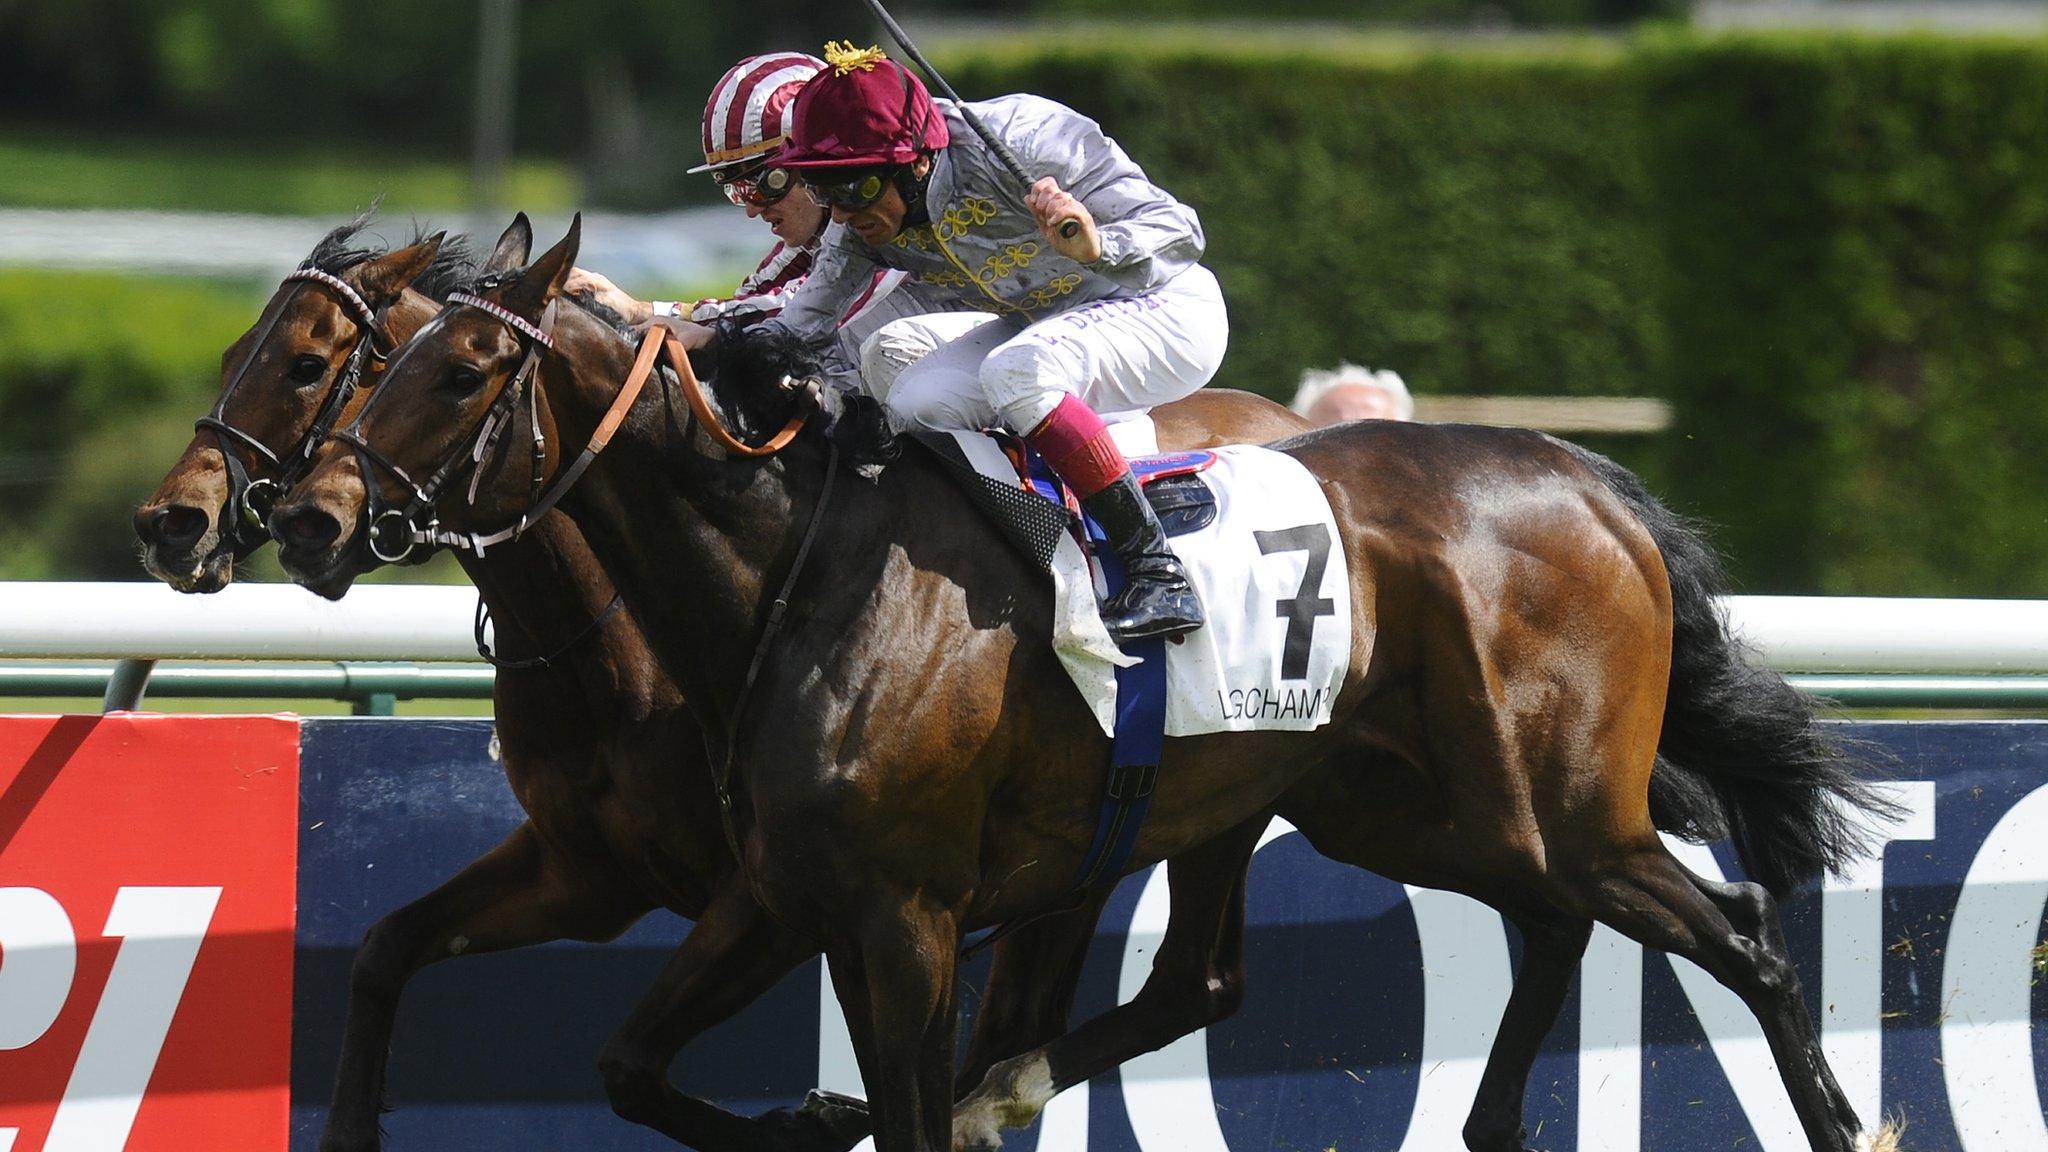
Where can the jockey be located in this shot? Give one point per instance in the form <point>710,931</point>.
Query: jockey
<point>746,122</point>
<point>1116,318</point>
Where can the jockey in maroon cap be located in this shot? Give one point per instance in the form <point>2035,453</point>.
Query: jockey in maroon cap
<point>1114,319</point>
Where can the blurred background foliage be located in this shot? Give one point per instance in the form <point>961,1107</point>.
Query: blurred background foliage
<point>1828,252</point>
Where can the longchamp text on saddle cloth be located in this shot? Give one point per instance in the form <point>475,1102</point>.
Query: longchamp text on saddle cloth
<point>1271,572</point>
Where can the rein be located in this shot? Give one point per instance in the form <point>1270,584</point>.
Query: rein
<point>722,781</point>
<point>483,646</point>
<point>250,499</point>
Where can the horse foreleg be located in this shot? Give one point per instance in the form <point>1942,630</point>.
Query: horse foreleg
<point>1197,979</point>
<point>909,959</point>
<point>734,953</point>
<point>509,898</point>
<point>1551,947</point>
<point>1030,988</point>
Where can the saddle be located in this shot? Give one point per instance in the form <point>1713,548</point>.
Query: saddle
<point>1032,509</point>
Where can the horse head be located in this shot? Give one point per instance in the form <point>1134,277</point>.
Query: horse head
<point>288,380</point>
<point>466,367</point>
<point>470,437</point>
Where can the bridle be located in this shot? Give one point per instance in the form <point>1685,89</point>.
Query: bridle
<point>250,499</point>
<point>403,523</point>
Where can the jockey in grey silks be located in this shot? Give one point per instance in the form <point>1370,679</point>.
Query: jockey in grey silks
<point>1116,317</point>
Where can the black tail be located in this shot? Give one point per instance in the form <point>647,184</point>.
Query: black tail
<point>1742,754</point>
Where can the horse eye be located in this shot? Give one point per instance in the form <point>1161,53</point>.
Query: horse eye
<point>466,379</point>
<point>307,369</point>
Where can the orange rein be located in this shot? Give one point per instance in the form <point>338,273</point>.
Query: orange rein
<point>659,339</point>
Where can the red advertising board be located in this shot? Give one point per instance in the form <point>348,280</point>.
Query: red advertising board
<point>147,897</point>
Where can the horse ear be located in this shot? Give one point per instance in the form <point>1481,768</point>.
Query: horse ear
<point>545,276</point>
<point>513,247</point>
<point>382,279</point>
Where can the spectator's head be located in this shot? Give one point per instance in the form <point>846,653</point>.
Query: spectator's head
<point>1349,392</point>
<point>747,123</point>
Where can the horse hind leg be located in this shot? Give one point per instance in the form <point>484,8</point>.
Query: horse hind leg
<point>1551,947</point>
<point>1029,993</point>
<point>1732,932</point>
<point>1754,914</point>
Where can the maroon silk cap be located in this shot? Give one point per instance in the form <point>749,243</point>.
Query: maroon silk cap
<point>863,109</point>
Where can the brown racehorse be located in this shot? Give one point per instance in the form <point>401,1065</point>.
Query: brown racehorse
<point>908,761</point>
<point>609,766</point>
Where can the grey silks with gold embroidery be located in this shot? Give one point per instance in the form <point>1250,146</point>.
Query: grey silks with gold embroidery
<point>983,246</point>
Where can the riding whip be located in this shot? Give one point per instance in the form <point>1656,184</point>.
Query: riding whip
<point>1069,228</point>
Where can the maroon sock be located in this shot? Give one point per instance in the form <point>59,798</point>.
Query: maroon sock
<point>1077,444</point>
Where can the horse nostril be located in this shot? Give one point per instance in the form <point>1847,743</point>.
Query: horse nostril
<point>175,526</point>
<point>305,528</point>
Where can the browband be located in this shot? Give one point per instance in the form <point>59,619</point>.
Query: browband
<point>355,302</point>
<point>519,323</point>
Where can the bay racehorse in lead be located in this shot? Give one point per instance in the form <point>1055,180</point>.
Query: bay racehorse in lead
<point>1541,677</point>
<point>596,744</point>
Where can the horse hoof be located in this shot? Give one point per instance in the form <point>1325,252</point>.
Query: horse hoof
<point>981,1140</point>
<point>824,1122</point>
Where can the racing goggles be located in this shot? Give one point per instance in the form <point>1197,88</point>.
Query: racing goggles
<point>758,186</point>
<point>849,191</point>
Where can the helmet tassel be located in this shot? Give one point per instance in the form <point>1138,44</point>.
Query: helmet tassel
<point>843,57</point>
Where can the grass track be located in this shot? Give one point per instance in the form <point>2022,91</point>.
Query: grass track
<point>41,168</point>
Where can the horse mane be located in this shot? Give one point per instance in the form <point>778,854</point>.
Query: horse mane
<point>754,361</point>
<point>334,254</point>
<point>453,265</point>
<point>610,316</point>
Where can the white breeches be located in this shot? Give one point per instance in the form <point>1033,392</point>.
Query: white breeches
<point>900,343</point>
<point>1118,356</point>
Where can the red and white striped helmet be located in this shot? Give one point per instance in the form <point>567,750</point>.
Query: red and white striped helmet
<point>748,115</point>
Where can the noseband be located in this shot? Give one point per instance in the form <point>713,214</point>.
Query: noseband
<point>250,500</point>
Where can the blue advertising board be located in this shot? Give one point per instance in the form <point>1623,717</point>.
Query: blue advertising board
<point>1370,1010</point>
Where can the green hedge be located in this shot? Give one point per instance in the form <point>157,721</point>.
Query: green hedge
<point>100,379</point>
<point>1831,254</point>
<point>1858,237</point>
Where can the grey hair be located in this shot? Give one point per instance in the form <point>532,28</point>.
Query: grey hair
<point>1317,382</point>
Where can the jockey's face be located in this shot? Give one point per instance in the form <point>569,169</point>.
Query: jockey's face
<point>794,219</point>
<point>878,223</point>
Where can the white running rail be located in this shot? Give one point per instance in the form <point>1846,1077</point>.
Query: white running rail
<point>432,623</point>
<point>149,621</point>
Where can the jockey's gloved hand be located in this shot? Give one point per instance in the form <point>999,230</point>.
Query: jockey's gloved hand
<point>1053,207</point>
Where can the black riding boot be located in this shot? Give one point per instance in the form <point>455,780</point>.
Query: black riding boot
<point>1157,599</point>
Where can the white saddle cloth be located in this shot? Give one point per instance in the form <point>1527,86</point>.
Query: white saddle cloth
<point>1274,651</point>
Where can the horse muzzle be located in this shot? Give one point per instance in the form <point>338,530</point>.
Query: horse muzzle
<point>315,547</point>
<point>182,545</point>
